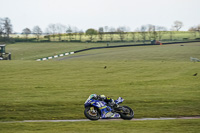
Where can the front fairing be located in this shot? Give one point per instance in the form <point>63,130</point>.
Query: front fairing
<point>106,111</point>
<point>96,103</point>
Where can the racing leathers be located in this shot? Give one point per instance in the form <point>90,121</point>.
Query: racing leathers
<point>110,102</point>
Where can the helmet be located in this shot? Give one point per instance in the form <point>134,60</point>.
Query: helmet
<point>102,97</point>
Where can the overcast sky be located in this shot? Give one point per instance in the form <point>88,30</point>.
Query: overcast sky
<point>86,14</point>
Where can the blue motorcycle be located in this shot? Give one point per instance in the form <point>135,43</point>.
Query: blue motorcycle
<point>95,109</point>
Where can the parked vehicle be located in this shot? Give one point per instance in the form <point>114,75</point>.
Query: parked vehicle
<point>3,54</point>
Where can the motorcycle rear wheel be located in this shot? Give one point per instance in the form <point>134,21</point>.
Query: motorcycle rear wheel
<point>92,114</point>
<point>128,114</point>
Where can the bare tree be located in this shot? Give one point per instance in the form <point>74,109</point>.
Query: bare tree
<point>75,32</point>
<point>81,33</point>
<point>112,32</point>
<point>171,33</point>
<point>143,33</point>
<point>1,28</point>
<point>37,31</point>
<point>101,33</point>
<point>198,29</point>
<point>52,30</point>
<point>152,34</point>
<point>133,35</point>
<point>106,29</point>
<point>60,28</point>
<point>6,27</point>
<point>69,32</point>
<point>194,30</point>
<point>160,31</point>
<point>47,34</point>
<point>26,32</point>
<point>178,25</point>
<point>121,32</point>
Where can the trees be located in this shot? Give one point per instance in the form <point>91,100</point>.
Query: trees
<point>178,25</point>
<point>121,32</point>
<point>69,32</point>
<point>152,34</point>
<point>198,29</point>
<point>81,33</point>
<point>160,32</point>
<point>47,34</point>
<point>51,30</point>
<point>133,35</point>
<point>1,28</point>
<point>194,30</point>
<point>26,32</point>
<point>112,32</point>
<point>106,28</point>
<point>91,33</point>
<point>171,33</point>
<point>75,32</point>
<point>101,33</point>
<point>37,31</point>
<point>60,28</point>
<point>142,32</point>
<point>5,27</point>
<point>105,33</point>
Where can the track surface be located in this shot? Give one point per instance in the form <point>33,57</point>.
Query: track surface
<point>79,120</point>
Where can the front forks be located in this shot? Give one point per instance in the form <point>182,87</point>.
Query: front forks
<point>92,110</point>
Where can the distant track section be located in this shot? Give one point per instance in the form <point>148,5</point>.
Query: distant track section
<point>130,45</point>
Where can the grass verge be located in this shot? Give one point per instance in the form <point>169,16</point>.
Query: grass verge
<point>160,126</point>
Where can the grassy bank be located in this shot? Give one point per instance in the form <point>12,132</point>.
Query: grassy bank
<point>155,81</point>
<point>33,51</point>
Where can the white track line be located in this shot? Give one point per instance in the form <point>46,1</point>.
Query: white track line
<point>79,120</point>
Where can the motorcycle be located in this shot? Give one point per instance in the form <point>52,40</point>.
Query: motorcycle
<point>95,110</point>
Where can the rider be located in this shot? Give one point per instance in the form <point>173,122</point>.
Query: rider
<point>108,100</point>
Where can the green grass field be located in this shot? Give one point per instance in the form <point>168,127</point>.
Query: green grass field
<point>156,81</point>
<point>168,126</point>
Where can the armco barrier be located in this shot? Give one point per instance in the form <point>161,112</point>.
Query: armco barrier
<point>130,45</point>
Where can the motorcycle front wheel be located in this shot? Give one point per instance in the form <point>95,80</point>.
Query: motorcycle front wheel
<point>126,113</point>
<point>92,113</point>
